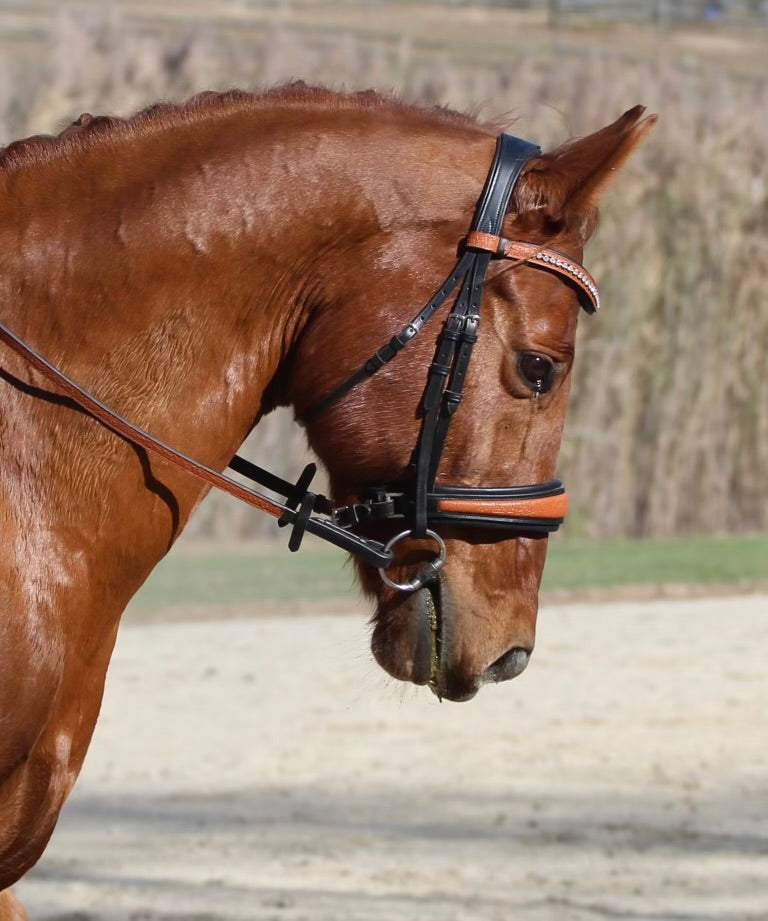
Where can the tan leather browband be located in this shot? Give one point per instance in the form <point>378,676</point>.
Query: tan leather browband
<point>539,257</point>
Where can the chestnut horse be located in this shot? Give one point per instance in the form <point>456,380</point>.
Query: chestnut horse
<point>195,266</point>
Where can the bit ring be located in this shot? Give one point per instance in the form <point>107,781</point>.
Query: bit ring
<point>426,573</point>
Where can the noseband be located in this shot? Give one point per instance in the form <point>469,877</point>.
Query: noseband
<point>421,505</point>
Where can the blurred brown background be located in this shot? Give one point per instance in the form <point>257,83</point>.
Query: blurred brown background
<point>668,428</point>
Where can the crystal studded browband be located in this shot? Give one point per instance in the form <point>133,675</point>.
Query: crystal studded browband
<point>540,257</point>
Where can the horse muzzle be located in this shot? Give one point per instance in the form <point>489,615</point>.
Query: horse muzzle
<point>429,637</point>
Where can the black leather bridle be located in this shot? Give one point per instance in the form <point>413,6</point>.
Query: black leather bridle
<point>420,504</point>
<point>532,509</point>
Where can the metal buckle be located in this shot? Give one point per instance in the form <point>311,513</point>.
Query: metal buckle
<point>426,573</point>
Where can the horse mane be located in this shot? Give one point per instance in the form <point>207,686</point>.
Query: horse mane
<point>89,130</point>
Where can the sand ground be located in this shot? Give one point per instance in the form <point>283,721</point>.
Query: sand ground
<point>264,768</point>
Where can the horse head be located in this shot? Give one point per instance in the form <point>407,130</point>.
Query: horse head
<point>194,266</point>
<point>474,621</point>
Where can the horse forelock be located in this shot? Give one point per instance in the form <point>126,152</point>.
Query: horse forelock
<point>88,130</point>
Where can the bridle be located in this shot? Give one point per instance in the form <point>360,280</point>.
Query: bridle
<point>421,504</point>
<point>534,509</point>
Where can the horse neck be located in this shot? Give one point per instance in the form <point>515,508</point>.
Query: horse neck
<point>193,256</point>
<point>172,276</point>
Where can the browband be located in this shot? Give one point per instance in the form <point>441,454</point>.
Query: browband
<point>541,257</point>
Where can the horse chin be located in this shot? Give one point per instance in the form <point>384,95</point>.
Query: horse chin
<point>403,638</point>
<point>416,639</point>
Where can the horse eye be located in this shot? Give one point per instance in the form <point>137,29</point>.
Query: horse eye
<point>537,371</point>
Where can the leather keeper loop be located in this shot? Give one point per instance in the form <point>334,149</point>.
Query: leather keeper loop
<point>486,242</point>
<point>300,522</point>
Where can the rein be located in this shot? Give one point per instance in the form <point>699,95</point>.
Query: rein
<point>296,493</point>
<point>533,509</point>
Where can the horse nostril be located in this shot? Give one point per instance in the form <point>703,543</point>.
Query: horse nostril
<point>510,665</point>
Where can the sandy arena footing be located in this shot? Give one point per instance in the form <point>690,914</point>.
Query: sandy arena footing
<point>266,769</point>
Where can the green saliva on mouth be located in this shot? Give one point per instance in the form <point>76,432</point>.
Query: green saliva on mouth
<point>435,683</point>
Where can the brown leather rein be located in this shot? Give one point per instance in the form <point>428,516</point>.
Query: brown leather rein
<point>372,551</point>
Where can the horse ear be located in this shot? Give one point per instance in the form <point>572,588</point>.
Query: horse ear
<point>563,188</point>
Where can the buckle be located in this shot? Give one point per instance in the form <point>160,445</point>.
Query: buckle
<point>377,505</point>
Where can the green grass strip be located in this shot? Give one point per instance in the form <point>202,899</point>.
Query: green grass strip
<point>691,561</point>
<point>240,574</point>
<point>202,575</point>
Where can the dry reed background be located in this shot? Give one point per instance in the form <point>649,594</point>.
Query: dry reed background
<point>668,429</point>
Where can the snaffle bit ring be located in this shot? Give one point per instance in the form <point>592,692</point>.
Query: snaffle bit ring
<point>426,573</point>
